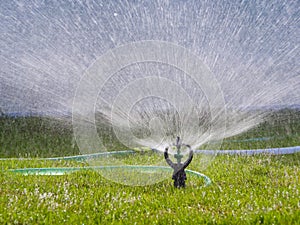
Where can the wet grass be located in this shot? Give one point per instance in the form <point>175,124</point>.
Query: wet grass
<point>36,137</point>
<point>260,189</point>
<point>48,137</point>
<point>281,129</point>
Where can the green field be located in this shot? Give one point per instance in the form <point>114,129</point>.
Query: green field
<point>260,189</point>
<point>245,190</point>
<point>48,137</point>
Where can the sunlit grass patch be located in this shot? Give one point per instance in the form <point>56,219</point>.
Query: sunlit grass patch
<point>247,190</point>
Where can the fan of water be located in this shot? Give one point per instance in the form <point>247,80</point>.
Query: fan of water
<point>150,71</point>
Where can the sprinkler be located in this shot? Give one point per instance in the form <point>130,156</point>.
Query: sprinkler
<point>179,175</point>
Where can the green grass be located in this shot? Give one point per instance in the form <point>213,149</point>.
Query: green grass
<point>280,128</point>
<point>36,137</point>
<point>246,190</point>
<point>260,189</point>
<point>49,137</point>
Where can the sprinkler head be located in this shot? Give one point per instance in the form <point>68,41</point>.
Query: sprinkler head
<point>179,175</point>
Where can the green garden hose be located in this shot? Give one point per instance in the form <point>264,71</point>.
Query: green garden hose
<point>66,170</point>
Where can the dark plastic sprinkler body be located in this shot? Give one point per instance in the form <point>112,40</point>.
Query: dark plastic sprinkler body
<point>179,175</point>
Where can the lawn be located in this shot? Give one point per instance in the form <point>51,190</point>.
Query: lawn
<point>261,189</point>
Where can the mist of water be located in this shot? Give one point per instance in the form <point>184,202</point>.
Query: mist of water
<point>247,61</point>
<point>251,47</point>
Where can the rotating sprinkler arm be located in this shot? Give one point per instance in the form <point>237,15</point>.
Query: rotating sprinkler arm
<point>178,155</point>
<point>189,160</point>
<point>168,160</point>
